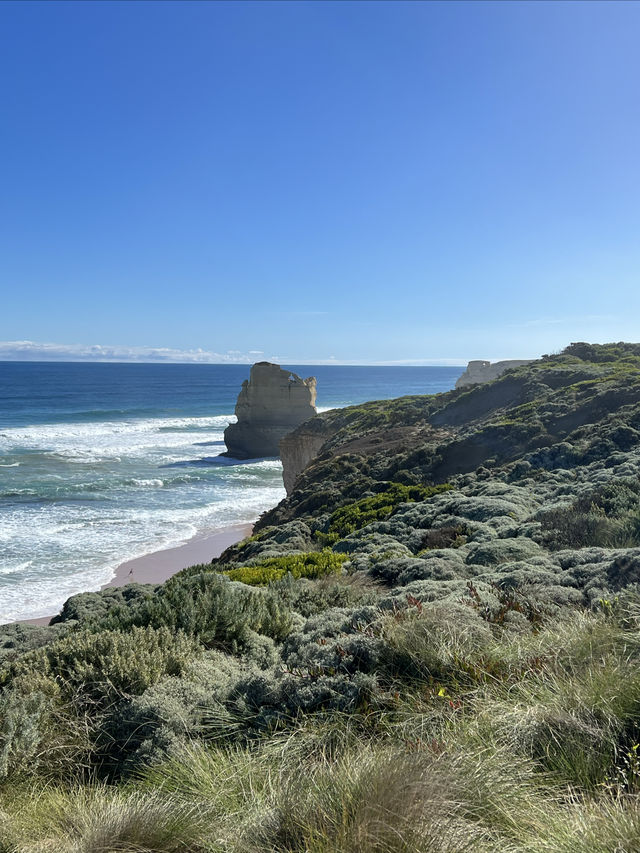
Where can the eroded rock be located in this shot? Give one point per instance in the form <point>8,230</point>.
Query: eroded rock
<point>484,371</point>
<point>272,403</point>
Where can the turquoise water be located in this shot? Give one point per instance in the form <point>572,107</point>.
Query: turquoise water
<point>100,463</point>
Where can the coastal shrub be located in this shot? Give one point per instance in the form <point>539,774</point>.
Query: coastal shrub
<point>313,564</point>
<point>295,536</point>
<point>608,516</point>
<point>449,536</point>
<point>43,732</point>
<point>334,642</point>
<point>436,643</point>
<point>208,607</point>
<point>499,551</point>
<point>311,597</point>
<point>373,545</point>
<point>572,527</point>
<point>329,663</point>
<point>92,607</point>
<point>265,701</point>
<point>17,638</point>
<point>159,722</point>
<point>108,664</point>
<point>387,568</point>
<point>20,735</point>
<point>345,654</point>
<point>359,514</point>
<point>514,504</point>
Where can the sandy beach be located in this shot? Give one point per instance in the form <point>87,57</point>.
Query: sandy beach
<point>158,566</point>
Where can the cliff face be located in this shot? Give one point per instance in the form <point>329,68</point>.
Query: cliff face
<point>271,403</point>
<point>484,371</point>
<point>300,447</point>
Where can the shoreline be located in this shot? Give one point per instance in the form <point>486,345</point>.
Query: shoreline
<point>158,566</point>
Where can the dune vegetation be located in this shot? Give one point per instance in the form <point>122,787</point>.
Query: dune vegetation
<point>432,645</point>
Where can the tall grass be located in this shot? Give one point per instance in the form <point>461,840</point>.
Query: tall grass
<point>496,741</point>
<point>97,819</point>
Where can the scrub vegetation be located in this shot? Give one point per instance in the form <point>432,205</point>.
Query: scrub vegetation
<point>432,645</point>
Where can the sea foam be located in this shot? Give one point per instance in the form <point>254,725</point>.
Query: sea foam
<point>89,496</point>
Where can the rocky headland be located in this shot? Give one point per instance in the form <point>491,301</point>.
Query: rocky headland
<point>480,371</point>
<point>271,403</point>
<point>443,614</point>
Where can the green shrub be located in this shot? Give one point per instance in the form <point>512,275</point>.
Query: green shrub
<point>165,717</point>
<point>334,590</point>
<point>208,607</point>
<point>608,516</point>
<point>312,564</point>
<point>354,516</point>
<point>108,663</point>
<point>42,731</point>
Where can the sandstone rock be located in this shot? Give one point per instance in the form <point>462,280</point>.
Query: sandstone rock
<point>300,447</point>
<point>271,403</point>
<point>484,371</point>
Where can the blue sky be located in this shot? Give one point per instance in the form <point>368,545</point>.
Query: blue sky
<point>308,181</point>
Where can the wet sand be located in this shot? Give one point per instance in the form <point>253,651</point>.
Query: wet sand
<point>158,566</point>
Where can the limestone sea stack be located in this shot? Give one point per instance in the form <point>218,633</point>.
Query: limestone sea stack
<point>271,404</point>
<point>480,371</point>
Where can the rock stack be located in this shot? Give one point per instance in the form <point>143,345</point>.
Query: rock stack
<point>271,404</point>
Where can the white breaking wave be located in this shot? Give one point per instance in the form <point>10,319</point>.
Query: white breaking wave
<point>90,496</point>
<point>101,440</point>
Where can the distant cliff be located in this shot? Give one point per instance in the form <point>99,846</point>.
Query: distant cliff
<point>271,403</point>
<point>484,371</point>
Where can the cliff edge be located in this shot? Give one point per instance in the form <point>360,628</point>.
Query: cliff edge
<point>272,402</point>
<point>300,447</point>
<point>484,371</point>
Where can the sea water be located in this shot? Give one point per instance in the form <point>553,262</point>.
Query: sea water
<point>101,463</point>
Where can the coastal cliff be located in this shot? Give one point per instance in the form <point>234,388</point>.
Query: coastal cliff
<point>447,602</point>
<point>484,371</point>
<point>270,404</point>
<point>299,447</point>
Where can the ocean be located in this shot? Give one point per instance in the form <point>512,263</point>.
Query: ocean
<point>101,463</point>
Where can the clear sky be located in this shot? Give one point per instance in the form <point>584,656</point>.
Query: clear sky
<point>368,182</point>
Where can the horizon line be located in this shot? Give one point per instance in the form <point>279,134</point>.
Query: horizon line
<point>289,362</point>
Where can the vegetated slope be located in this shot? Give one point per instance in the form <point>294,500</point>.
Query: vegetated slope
<point>431,645</point>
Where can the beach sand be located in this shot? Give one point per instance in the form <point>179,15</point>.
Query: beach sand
<point>158,566</point>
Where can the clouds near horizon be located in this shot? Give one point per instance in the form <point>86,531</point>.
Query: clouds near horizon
<point>32,351</point>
